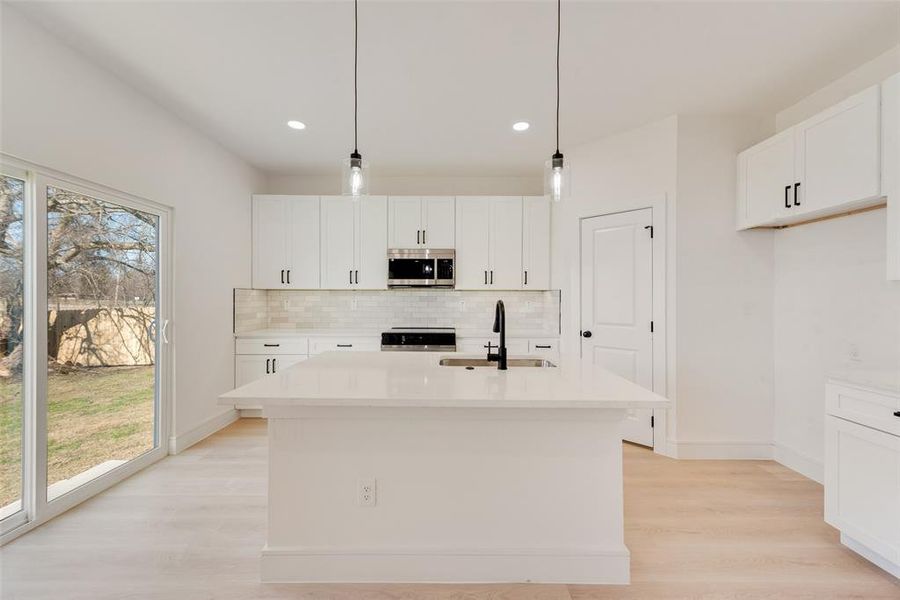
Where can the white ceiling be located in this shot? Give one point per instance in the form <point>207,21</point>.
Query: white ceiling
<point>442,82</point>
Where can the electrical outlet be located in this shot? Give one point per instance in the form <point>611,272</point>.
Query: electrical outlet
<point>366,492</point>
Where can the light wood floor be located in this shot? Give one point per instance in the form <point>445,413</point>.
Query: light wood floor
<point>191,526</point>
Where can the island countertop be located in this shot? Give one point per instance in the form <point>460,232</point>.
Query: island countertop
<point>417,380</point>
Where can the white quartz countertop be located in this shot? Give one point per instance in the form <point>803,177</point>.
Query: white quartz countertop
<point>885,380</point>
<point>415,379</point>
<point>460,333</point>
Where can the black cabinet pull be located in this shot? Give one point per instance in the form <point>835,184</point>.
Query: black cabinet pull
<point>492,277</point>
<point>345,345</point>
<point>282,277</point>
<point>423,236</point>
<point>267,365</point>
<point>485,278</point>
<point>526,277</point>
<point>796,189</point>
<point>271,345</point>
<point>273,365</point>
<point>289,277</point>
<point>418,235</point>
<point>357,277</point>
<point>787,193</point>
<point>351,276</point>
<point>542,347</point>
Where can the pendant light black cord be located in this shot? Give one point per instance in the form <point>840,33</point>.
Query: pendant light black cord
<point>355,70</point>
<point>558,29</point>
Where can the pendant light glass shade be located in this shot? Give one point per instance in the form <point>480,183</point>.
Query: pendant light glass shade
<point>355,176</point>
<point>556,178</point>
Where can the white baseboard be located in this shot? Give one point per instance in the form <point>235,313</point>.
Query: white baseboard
<point>722,450</point>
<point>870,555</point>
<point>801,463</point>
<point>429,565</point>
<point>179,443</point>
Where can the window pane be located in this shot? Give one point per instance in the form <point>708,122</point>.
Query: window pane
<point>102,290</point>
<point>12,296</point>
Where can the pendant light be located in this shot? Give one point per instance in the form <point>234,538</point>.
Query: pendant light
<point>555,171</point>
<point>355,171</point>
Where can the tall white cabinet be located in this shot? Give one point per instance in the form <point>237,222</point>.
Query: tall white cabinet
<point>285,234</point>
<point>489,242</point>
<point>421,222</point>
<point>354,242</point>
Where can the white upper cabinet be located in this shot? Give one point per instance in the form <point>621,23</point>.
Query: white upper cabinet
<point>489,242</point>
<point>285,242</point>
<point>536,243</point>
<point>354,242</point>
<point>421,222</point>
<point>839,154</point>
<point>828,164</point>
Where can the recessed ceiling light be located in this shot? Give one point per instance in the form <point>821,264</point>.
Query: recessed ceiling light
<point>521,125</point>
<point>296,125</point>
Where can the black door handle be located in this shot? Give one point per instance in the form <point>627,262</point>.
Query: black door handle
<point>897,413</point>
<point>267,365</point>
<point>282,277</point>
<point>796,189</point>
<point>787,193</point>
<point>587,334</point>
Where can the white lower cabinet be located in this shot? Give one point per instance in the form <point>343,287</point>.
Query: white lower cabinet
<point>250,367</point>
<point>862,473</point>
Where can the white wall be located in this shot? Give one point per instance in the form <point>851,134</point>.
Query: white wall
<point>62,112</point>
<point>412,186</point>
<point>723,297</point>
<point>831,297</point>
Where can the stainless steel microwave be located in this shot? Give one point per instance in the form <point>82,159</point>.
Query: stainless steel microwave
<point>418,267</point>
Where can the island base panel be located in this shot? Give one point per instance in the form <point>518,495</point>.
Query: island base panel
<point>480,495</point>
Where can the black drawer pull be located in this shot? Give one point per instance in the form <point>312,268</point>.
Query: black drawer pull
<point>542,347</point>
<point>345,345</point>
<point>271,345</point>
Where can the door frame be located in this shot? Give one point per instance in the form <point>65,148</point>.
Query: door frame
<point>36,508</point>
<point>660,340</point>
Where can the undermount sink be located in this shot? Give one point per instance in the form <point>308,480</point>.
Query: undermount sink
<point>483,362</point>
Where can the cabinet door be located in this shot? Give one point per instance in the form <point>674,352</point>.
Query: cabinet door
<point>839,154</point>
<point>303,268</point>
<point>536,243</point>
<point>249,368</point>
<point>506,244</point>
<point>370,270</point>
<point>472,242</point>
<point>765,181</point>
<point>337,243</point>
<point>270,241</point>
<point>862,485</point>
<point>438,222</point>
<point>404,222</point>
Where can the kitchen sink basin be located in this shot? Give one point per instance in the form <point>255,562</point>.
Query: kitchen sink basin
<point>483,362</point>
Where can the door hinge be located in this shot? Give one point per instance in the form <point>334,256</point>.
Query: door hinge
<point>650,227</point>
<point>652,421</point>
<point>651,326</point>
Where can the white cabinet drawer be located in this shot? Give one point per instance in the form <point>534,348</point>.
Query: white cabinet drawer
<point>869,408</point>
<point>862,486</point>
<point>548,347</point>
<point>317,345</point>
<point>280,345</point>
<point>514,346</point>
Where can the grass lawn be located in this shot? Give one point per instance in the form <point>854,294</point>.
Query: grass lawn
<point>94,415</point>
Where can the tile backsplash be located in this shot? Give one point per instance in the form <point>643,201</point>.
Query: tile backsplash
<point>381,309</point>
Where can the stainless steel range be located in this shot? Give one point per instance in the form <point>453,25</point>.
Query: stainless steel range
<point>419,339</point>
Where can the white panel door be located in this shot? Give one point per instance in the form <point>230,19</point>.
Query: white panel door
<point>303,267</point>
<point>767,180</point>
<point>438,222</point>
<point>536,243</point>
<point>472,242</point>
<point>506,244</point>
<point>839,154</point>
<point>337,244</point>
<point>270,241</point>
<point>404,222</point>
<point>617,304</point>
<point>370,270</point>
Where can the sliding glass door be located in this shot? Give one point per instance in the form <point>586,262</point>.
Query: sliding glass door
<point>84,356</point>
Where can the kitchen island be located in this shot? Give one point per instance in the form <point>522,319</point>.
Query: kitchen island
<point>388,466</point>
